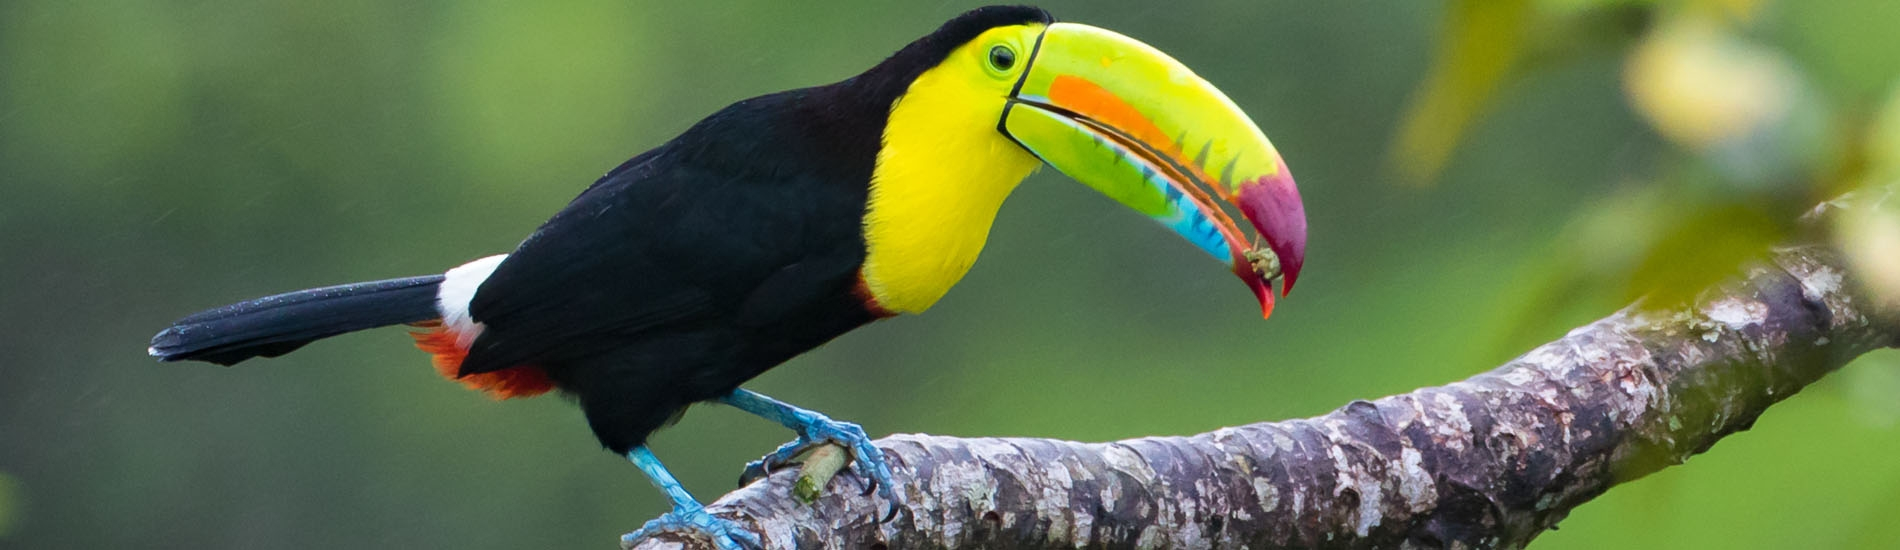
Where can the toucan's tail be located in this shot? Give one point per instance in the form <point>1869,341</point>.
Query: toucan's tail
<point>276,325</point>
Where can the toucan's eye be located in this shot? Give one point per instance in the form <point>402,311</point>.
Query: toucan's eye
<point>1002,58</point>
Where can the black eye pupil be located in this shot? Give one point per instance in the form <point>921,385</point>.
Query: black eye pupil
<point>1002,58</point>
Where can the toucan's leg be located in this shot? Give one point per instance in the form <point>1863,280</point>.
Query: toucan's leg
<point>688,516</point>
<point>814,428</point>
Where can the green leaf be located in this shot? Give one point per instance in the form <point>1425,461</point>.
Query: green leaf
<point>1482,41</point>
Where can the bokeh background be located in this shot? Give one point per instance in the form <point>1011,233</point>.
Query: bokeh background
<point>1480,176</point>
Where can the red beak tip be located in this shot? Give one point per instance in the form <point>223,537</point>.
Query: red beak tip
<point>1262,291</point>
<point>1273,205</point>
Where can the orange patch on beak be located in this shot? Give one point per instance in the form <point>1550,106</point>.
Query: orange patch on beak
<point>1104,108</point>
<point>1110,116</point>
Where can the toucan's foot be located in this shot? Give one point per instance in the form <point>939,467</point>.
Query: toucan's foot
<point>867,461</point>
<point>694,521</point>
<point>688,517</point>
<point>814,428</point>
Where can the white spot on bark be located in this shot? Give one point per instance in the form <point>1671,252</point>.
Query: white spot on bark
<point>1264,491</point>
<point>1359,481</point>
<point>967,482</point>
<point>1415,484</point>
<point>1630,379</point>
<point>1084,528</point>
<point>1455,426</point>
<point>1736,313</point>
<point>1521,376</point>
<point>1822,282</point>
<point>1151,538</point>
<point>1548,394</point>
<point>1281,441</point>
<point>1190,536</point>
<point>1128,461</point>
<point>1053,504</point>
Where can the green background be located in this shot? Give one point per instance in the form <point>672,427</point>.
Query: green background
<point>157,158</point>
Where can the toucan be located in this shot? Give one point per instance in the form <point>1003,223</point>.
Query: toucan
<point>783,221</point>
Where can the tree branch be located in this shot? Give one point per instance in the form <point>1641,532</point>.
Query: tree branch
<point>1488,462</point>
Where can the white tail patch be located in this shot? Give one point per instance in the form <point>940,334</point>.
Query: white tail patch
<point>457,290</point>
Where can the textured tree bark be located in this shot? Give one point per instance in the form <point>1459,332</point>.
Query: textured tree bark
<point>1488,462</point>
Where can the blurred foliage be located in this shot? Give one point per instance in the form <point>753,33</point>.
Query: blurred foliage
<point>1871,236</point>
<point>1872,388</point>
<point>159,158</point>
<point>1483,40</point>
<point>1755,141</point>
<point>9,504</point>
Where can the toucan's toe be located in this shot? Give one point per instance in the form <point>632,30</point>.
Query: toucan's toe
<point>725,534</point>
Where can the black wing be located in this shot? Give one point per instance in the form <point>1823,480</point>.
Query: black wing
<point>687,234</point>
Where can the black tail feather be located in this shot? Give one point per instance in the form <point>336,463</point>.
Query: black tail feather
<point>276,325</point>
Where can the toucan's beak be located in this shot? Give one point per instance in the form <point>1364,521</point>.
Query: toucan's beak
<point>1133,123</point>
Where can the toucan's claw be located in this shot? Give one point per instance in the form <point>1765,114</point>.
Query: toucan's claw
<point>764,466</point>
<point>695,521</point>
<point>889,515</point>
<point>753,471</point>
<point>867,460</point>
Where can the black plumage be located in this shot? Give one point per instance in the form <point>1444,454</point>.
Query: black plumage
<point>276,325</point>
<point>723,252</point>
<point>679,275</point>
<point>701,263</point>
<point>694,268</point>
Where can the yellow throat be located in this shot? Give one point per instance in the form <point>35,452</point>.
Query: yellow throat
<point>941,176</point>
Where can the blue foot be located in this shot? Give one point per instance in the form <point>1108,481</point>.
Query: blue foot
<point>724,533</point>
<point>688,516</point>
<point>867,461</point>
<point>814,428</point>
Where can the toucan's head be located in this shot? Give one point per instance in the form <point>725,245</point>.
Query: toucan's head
<point>1107,110</point>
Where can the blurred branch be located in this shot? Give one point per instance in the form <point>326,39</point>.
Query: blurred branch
<point>1488,462</point>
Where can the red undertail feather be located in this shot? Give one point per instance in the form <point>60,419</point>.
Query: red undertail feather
<point>522,381</point>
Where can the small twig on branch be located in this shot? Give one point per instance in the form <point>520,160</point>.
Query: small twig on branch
<point>820,464</point>
<point>1488,462</point>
